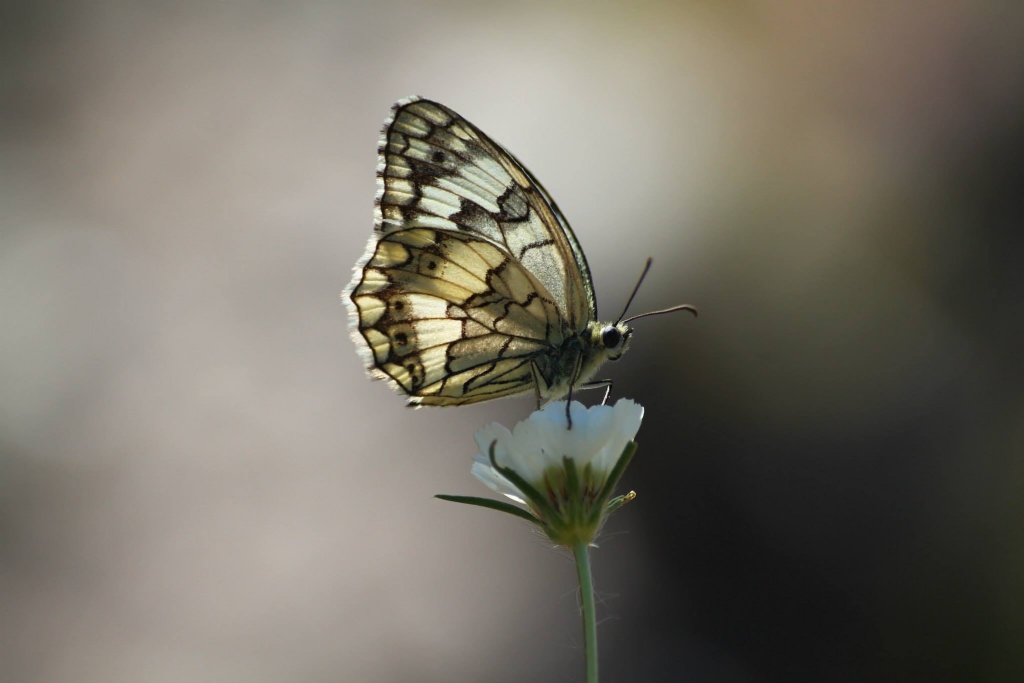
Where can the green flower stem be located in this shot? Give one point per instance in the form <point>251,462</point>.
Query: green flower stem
<point>582,554</point>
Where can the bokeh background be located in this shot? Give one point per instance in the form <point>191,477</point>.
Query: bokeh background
<point>197,481</point>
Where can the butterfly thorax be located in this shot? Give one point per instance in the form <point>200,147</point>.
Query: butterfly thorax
<point>576,360</point>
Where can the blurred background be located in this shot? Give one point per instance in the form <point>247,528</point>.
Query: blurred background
<point>197,481</point>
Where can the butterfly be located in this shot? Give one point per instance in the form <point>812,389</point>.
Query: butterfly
<point>473,285</point>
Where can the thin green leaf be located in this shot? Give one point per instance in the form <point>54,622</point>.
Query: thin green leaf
<point>493,505</point>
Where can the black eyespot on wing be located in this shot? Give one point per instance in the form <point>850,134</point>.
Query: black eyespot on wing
<point>403,339</point>
<point>417,373</point>
<point>429,263</point>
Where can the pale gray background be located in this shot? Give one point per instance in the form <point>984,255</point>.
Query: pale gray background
<point>197,483</point>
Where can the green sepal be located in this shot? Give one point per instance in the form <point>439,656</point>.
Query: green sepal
<point>493,505</point>
<point>613,478</point>
<point>573,514</point>
<point>572,477</point>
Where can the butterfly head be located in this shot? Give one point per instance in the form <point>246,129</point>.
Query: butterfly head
<point>614,338</point>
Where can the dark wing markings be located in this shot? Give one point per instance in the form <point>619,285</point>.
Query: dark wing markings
<point>534,245</point>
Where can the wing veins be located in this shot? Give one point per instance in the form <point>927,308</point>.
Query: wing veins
<point>464,157</point>
<point>446,172</point>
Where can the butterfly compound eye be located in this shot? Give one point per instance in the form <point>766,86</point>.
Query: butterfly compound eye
<point>611,338</point>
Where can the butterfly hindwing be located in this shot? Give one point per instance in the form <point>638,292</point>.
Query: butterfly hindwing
<point>451,319</point>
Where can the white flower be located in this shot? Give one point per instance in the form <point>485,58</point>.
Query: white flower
<point>563,475</point>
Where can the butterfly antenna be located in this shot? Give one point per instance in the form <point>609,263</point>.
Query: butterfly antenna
<point>636,288</point>
<point>682,307</point>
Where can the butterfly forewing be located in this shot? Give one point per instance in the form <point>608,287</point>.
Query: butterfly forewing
<point>441,171</point>
<point>472,273</point>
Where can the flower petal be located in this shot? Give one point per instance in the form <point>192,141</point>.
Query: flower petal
<point>624,423</point>
<point>493,480</point>
<point>597,437</point>
<point>494,432</point>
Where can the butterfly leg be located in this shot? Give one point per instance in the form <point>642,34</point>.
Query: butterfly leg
<point>535,371</point>
<point>568,404</point>
<point>605,384</point>
<point>568,399</point>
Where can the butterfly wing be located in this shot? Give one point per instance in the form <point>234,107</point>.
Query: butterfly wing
<point>450,319</point>
<point>436,165</point>
<point>440,174</point>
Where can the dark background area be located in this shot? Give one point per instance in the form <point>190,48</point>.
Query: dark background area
<point>197,482</point>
